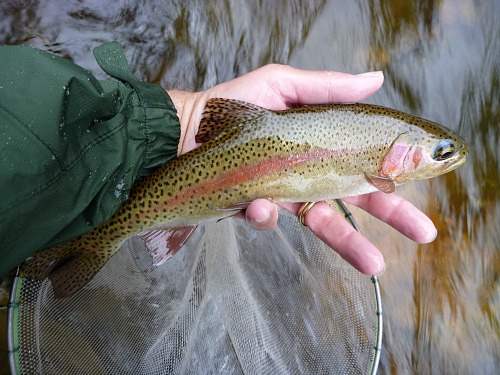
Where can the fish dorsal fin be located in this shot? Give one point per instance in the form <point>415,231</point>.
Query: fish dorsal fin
<point>163,243</point>
<point>384,184</point>
<point>221,114</point>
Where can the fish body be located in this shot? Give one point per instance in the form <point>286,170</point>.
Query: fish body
<point>309,153</point>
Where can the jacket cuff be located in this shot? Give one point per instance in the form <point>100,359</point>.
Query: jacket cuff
<point>150,109</point>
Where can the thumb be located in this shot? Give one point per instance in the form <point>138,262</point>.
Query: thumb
<point>318,87</point>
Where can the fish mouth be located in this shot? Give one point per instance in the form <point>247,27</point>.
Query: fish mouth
<point>454,163</point>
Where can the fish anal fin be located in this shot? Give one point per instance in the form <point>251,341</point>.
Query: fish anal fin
<point>163,243</point>
<point>221,114</point>
<point>384,184</point>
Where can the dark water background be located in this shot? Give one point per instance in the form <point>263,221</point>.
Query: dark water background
<point>441,60</point>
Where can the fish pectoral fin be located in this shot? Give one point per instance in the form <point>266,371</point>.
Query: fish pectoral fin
<point>163,243</point>
<point>384,184</point>
<point>222,114</point>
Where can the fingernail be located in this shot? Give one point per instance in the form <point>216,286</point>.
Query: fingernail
<point>262,216</point>
<point>433,236</point>
<point>370,74</point>
<point>384,266</point>
<point>430,236</point>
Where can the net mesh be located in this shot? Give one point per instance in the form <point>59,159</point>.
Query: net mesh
<point>233,300</point>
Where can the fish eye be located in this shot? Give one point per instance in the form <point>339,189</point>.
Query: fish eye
<point>444,150</point>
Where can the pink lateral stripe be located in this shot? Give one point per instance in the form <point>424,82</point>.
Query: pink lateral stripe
<point>237,176</point>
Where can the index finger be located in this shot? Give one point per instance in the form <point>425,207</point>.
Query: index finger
<point>398,213</point>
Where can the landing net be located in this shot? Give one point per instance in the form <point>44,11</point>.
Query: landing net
<point>232,301</point>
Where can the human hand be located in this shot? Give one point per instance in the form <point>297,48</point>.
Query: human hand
<point>279,87</point>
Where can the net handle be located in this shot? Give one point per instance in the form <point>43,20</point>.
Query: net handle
<point>12,324</point>
<point>377,349</point>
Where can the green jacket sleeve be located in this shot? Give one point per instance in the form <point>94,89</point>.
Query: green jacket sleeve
<point>72,146</point>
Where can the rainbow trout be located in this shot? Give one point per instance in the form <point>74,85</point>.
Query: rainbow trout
<point>310,153</point>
